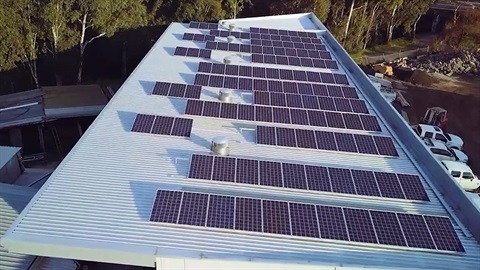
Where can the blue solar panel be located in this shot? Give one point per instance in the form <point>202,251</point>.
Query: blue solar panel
<point>286,137</point>
<point>161,88</point>
<point>276,218</point>
<point>163,125</point>
<point>263,114</point>
<point>224,169</point>
<point>345,142</point>
<point>334,120</point>
<point>281,115</point>
<point>365,144</point>
<point>220,212</point>
<point>262,98</point>
<point>248,214</point>
<point>304,220</point>
<point>444,234</point>
<point>318,178</point>
<point>294,101</point>
<point>416,231</point>
<point>317,118</point>
<point>341,180</point>
<point>325,140</point>
<point>332,223</point>
<point>194,209</point>
<point>266,135</point>
<point>352,121</point>
<point>359,226</point>
<point>389,185</point>
<point>342,105</point>
<point>246,112</point>
<point>278,99</point>
<point>247,171</point>
<point>143,123</point>
<point>211,109</point>
<point>370,123</point>
<point>201,167</point>
<point>385,146</point>
<point>387,228</point>
<point>294,176</point>
<point>194,107</point>
<point>412,187</point>
<point>182,127</point>
<point>365,183</point>
<point>299,117</point>
<point>166,206</point>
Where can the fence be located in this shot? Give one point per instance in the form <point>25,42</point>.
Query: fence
<point>393,56</point>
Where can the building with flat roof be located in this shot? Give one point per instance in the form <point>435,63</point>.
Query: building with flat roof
<point>310,167</point>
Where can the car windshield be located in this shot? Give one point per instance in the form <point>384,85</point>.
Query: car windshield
<point>447,136</point>
<point>419,130</point>
<point>441,152</point>
<point>467,175</point>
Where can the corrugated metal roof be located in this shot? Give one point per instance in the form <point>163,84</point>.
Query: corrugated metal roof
<point>96,206</point>
<point>6,153</point>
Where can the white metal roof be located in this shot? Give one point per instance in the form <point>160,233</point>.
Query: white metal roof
<point>6,153</point>
<point>96,205</point>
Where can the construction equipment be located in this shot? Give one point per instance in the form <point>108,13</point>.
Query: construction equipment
<point>435,116</point>
<point>383,69</point>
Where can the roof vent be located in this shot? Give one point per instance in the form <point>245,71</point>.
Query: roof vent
<point>220,146</point>
<point>228,60</point>
<point>231,27</point>
<point>230,39</point>
<point>225,95</point>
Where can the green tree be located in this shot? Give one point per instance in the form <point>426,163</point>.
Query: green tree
<point>200,10</point>
<point>234,7</point>
<point>319,7</point>
<point>411,12</point>
<point>11,39</point>
<point>462,33</point>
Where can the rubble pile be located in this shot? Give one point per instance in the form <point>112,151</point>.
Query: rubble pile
<point>446,63</point>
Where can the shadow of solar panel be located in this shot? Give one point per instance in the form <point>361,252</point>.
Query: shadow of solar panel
<point>317,118</point>
<point>349,92</point>
<point>232,70</point>
<point>325,140</point>
<point>340,79</point>
<point>202,79</point>
<point>341,180</point>
<point>345,142</point>
<point>281,115</point>
<point>262,98</point>
<point>162,125</point>
<point>412,187</point>
<point>443,234</point>
<point>334,120</point>
<point>260,85</point>
<point>310,102</point>
<point>182,127</point>
<point>385,146</point>
<point>305,88</point>
<point>143,123</point>
<point>248,214</point>
<point>194,107</point>
<point>294,176</point>
<point>218,68</point>
<point>211,109</point>
<point>370,123</point>
<point>366,144</point>
<point>246,112</point>
<point>352,121</point>
<point>319,90</point>
<point>304,220</point>
<point>365,183</point>
<point>193,52</point>
<point>342,105</point>
<point>358,106</point>
<point>177,90</point>
<point>194,209</point>
<point>270,173</point>
<point>263,114</point>
<point>326,103</point>
<point>331,223</point>
<point>166,206</point>
<point>220,212</point>
<point>299,117</point>
<point>247,171</point>
<point>305,138</point>
<point>294,101</point>
<point>389,185</point>
<point>161,88</point>
<point>276,218</point>
<point>387,228</point>
<point>278,99</point>
<point>266,135</point>
<point>415,231</point>
<point>228,110</point>
<point>245,84</point>
<point>182,51</point>
<point>359,226</point>
<point>290,87</point>
<point>286,137</point>
<point>201,167</point>
<point>224,169</point>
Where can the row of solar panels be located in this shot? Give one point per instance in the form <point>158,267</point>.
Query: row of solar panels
<point>307,177</point>
<point>290,33</point>
<point>293,61</point>
<point>258,36</point>
<point>324,140</point>
<point>162,125</point>
<point>282,115</point>
<point>193,52</point>
<point>275,73</point>
<point>305,220</point>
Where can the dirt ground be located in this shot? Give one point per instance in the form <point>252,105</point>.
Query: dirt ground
<point>460,96</point>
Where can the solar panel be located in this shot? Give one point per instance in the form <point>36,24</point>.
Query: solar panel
<point>286,137</point>
<point>358,106</point>
<point>349,92</point>
<point>294,101</point>
<point>334,90</point>
<point>228,110</point>
<point>247,171</point>
<point>224,169</point>
<point>365,183</point>
<point>341,181</point>
<point>248,214</point>
<point>194,107</point>
<point>305,138</point>
<point>365,144</point>
<point>334,120</point>
<point>182,127</point>
<point>203,25</point>
<point>278,99</point>
<point>166,206</point>
<point>318,178</point>
<point>294,176</point>
<point>281,115</point>
<point>270,173</point>
<point>352,121</point>
<point>325,140</point>
<point>161,88</point>
<point>211,109</point>
<point>389,185</point>
<point>310,102</point>
<point>201,167</point>
<point>263,114</point>
<point>193,91</point>
<point>262,98</point>
<point>177,90</point>
<point>343,105</point>
<point>317,118</point>
<point>326,103</point>
<point>385,146</point>
<point>246,112</point>
<point>266,135</point>
<point>306,220</point>
<point>194,209</point>
<point>412,187</point>
<point>370,122</point>
<point>276,218</point>
<point>345,142</point>
<point>163,125</point>
<point>143,123</point>
<point>181,51</point>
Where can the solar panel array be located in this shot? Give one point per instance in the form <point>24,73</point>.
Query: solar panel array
<point>285,38</point>
<point>281,32</point>
<point>278,74</point>
<point>305,220</point>
<point>307,177</point>
<point>324,140</point>
<point>203,25</point>
<point>309,102</point>
<point>282,115</point>
<point>293,61</point>
<point>198,37</point>
<point>162,125</point>
<point>193,52</point>
<point>288,44</point>
<point>177,90</point>
<point>267,50</point>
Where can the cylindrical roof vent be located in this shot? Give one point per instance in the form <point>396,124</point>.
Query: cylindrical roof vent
<point>220,146</point>
<point>230,39</point>
<point>225,95</point>
<point>227,60</point>
<point>231,27</point>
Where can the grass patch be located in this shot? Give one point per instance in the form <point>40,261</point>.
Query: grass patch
<point>395,45</point>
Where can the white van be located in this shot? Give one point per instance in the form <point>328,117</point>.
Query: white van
<point>462,174</point>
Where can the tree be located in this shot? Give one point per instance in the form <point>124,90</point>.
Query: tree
<point>392,6</point>
<point>234,7</point>
<point>462,33</point>
<point>200,10</point>
<point>11,40</point>
<point>411,12</point>
<point>97,18</point>
<point>319,7</point>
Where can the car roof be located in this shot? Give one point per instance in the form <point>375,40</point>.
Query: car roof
<point>457,166</point>
<point>435,144</point>
<point>430,128</point>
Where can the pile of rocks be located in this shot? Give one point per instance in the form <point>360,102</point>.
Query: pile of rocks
<point>446,63</point>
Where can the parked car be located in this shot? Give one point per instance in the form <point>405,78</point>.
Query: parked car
<point>441,152</point>
<point>462,173</point>
<point>435,133</point>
